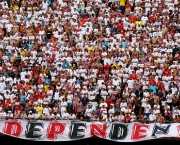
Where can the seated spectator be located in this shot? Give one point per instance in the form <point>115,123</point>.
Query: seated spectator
<point>56,116</point>
<point>114,117</point>
<point>133,117</point>
<point>72,116</point>
<point>30,115</point>
<point>2,114</point>
<point>65,115</point>
<point>94,117</point>
<point>152,117</point>
<point>121,117</point>
<point>9,115</point>
<point>23,115</point>
<point>111,111</point>
<point>88,112</point>
<point>50,116</point>
<point>140,117</point>
<point>103,110</point>
<point>103,104</point>
<point>16,114</point>
<point>104,117</point>
<point>127,118</point>
<point>44,116</point>
<point>160,119</point>
<point>97,111</point>
<point>36,115</point>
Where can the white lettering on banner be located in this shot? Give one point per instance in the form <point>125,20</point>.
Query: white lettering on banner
<point>13,129</point>
<point>57,128</point>
<point>121,130</point>
<point>73,130</point>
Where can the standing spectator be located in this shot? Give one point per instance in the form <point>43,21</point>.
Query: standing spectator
<point>63,106</point>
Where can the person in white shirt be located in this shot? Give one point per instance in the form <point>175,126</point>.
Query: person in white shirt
<point>133,117</point>
<point>44,116</point>
<point>30,116</point>
<point>69,101</point>
<point>50,94</point>
<point>36,115</point>
<point>113,118</point>
<point>131,83</point>
<point>104,117</point>
<point>46,110</point>
<point>56,96</point>
<point>2,114</point>
<point>72,116</point>
<point>56,116</point>
<point>146,93</point>
<point>65,115</point>
<point>63,106</point>
<point>169,98</point>
<point>91,94</point>
<point>147,108</point>
<point>176,112</point>
<point>104,93</point>
<point>123,105</point>
<point>103,103</point>
<point>111,111</point>
<point>88,112</point>
<point>121,117</point>
<point>152,116</point>
<point>51,115</point>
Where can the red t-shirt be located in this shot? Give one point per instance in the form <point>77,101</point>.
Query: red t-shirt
<point>134,76</point>
<point>107,67</point>
<point>127,118</point>
<point>166,72</point>
<point>108,101</point>
<point>152,82</point>
<point>2,104</point>
<point>128,5</point>
<point>120,26</point>
<point>37,94</point>
<point>132,18</point>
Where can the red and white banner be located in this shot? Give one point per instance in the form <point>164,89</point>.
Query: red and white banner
<point>74,130</point>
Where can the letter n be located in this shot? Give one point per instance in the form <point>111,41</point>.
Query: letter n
<point>98,130</point>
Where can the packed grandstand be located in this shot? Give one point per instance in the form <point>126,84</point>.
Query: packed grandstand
<point>93,60</point>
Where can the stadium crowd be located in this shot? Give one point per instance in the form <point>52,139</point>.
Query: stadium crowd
<point>93,60</point>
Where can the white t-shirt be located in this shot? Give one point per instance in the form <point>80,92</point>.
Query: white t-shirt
<point>123,106</point>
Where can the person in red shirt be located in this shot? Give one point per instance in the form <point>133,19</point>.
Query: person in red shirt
<point>1,104</point>
<point>132,18</point>
<point>151,80</point>
<point>158,83</point>
<point>37,93</point>
<point>127,118</point>
<point>8,104</point>
<point>53,38</point>
<point>108,101</point>
<point>36,75</point>
<point>17,106</point>
<point>43,93</point>
<point>166,72</point>
<point>107,67</point>
<point>38,27</point>
<point>128,4</point>
<point>120,25</point>
<point>19,85</point>
<point>133,76</point>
